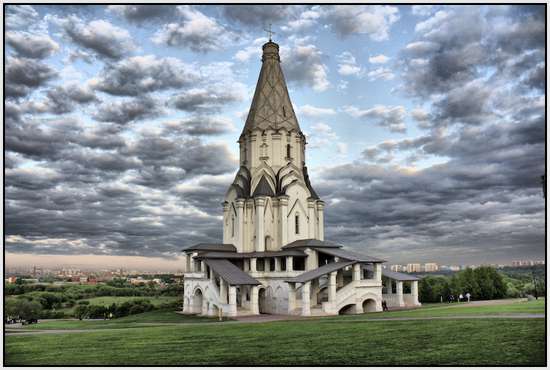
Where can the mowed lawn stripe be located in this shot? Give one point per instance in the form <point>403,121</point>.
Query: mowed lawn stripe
<point>312,342</point>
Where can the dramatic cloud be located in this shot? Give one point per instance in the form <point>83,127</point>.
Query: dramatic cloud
<point>373,20</point>
<point>143,74</point>
<point>126,111</point>
<point>205,100</point>
<point>258,15</point>
<point>303,65</point>
<point>196,31</point>
<point>140,13</point>
<point>99,36</point>
<point>201,126</point>
<point>30,45</point>
<point>119,145</point>
<point>384,116</point>
<point>23,74</point>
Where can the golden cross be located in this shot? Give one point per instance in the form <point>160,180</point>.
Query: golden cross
<point>270,33</point>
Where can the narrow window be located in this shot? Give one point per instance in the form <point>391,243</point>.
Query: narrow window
<point>288,150</point>
<point>297,224</point>
<point>232,226</point>
<point>284,112</point>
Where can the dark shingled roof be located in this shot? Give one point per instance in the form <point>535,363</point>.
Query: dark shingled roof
<point>263,189</point>
<point>210,247</point>
<point>228,255</point>
<point>310,243</point>
<point>349,255</point>
<point>314,274</point>
<point>231,273</point>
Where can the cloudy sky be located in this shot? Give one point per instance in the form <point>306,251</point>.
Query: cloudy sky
<point>425,125</point>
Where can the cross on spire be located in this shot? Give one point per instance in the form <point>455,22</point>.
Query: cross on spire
<point>269,32</point>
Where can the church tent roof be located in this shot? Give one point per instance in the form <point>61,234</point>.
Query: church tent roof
<point>231,273</point>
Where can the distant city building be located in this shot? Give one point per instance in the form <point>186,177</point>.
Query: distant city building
<point>396,268</point>
<point>454,268</point>
<point>523,263</point>
<point>414,267</point>
<point>431,267</point>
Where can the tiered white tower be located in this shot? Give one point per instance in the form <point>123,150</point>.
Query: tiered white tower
<point>271,202</point>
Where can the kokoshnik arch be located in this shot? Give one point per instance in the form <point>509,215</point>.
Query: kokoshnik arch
<point>273,258</point>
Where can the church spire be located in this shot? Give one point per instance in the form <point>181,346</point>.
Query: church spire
<point>271,106</point>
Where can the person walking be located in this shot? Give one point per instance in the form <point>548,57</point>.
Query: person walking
<point>468,296</point>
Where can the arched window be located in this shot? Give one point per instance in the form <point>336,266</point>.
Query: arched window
<point>232,226</point>
<point>297,223</point>
<point>284,112</point>
<point>288,150</point>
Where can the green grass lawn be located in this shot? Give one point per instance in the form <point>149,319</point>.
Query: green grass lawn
<point>309,342</point>
<point>155,338</point>
<point>442,310</point>
<point>146,319</point>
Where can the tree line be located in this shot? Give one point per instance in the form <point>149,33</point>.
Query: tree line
<point>483,283</point>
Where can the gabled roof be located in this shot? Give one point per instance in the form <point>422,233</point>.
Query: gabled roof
<point>210,247</point>
<point>310,243</point>
<point>263,188</point>
<point>349,255</point>
<point>323,270</point>
<point>231,273</point>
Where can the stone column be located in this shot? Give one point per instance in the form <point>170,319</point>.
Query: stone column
<point>311,218</point>
<point>267,264</point>
<point>203,267</point>
<point>239,204</point>
<point>243,295</point>
<point>184,308</point>
<point>254,306</point>
<point>340,279</point>
<point>185,259</point>
<point>289,263</point>
<point>260,235</point>
<point>223,291</point>
<point>356,272</point>
<point>232,301</point>
<point>226,226</point>
<point>291,297</point>
<point>414,292</point>
<point>253,265</point>
<point>204,309</point>
<point>378,271</point>
<point>192,262</point>
<point>321,224</point>
<point>311,259</point>
<point>399,292</point>
<point>332,290</point>
<point>277,264</point>
<point>306,304</point>
<point>283,206</point>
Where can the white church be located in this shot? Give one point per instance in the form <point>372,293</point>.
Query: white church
<point>274,259</point>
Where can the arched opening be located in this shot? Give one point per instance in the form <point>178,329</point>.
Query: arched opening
<point>262,300</point>
<point>369,305</point>
<point>347,310</point>
<point>197,301</point>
